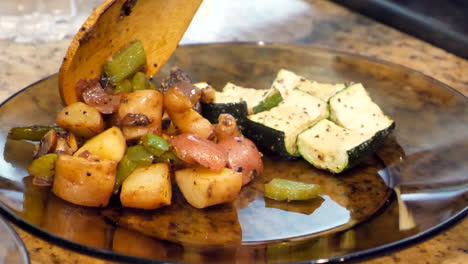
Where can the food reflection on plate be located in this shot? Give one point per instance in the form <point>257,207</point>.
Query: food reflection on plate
<point>303,207</point>
<point>135,243</point>
<point>344,202</point>
<point>181,223</point>
<point>81,224</point>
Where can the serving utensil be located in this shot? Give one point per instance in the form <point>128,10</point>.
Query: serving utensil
<point>158,24</point>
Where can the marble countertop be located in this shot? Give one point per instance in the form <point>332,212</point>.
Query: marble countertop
<point>311,22</point>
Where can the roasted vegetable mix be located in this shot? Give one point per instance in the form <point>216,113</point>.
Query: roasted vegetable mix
<point>129,139</point>
<point>113,142</point>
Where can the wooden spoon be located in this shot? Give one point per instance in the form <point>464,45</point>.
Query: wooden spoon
<point>158,24</point>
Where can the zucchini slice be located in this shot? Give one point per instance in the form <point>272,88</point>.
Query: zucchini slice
<point>211,111</point>
<point>276,130</point>
<point>233,99</point>
<point>232,93</point>
<point>323,91</point>
<point>331,147</point>
<point>286,81</point>
<point>352,108</point>
<point>356,128</point>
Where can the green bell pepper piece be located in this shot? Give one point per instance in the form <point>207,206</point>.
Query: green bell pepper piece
<point>281,189</point>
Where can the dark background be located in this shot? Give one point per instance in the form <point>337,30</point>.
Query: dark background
<point>443,23</point>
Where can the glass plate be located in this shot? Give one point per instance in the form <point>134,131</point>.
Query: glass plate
<point>12,249</point>
<point>412,188</point>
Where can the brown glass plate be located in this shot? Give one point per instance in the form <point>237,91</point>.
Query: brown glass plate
<point>12,249</point>
<point>358,215</point>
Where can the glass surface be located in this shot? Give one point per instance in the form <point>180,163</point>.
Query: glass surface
<point>358,216</point>
<point>12,250</point>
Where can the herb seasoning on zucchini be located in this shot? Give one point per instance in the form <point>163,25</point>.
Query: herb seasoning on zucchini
<point>356,128</point>
<point>276,130</point>
<point>330,147</point>
<point>353,109</point>
<point>286,81</point>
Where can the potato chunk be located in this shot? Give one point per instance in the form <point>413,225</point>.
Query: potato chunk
<point>109,144</point>
<point>81,119</point>
<point>202,187</point>
<point>84,182</point>
<point>147,187</point>
<point>147,103</point>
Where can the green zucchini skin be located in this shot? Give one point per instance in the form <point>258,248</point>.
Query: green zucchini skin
<point>270,101</point>
<point>267,139</point>
<point>238,110</point>
<point>357,154</point>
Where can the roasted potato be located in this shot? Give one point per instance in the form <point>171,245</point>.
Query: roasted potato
<point>202,187</point>
<point>81,119</point>
<point>84,182</point>
<point>109,144</point>
<point>198,151</point>
<point>141,103</point>
<point>243,156</point>
<point>147,187</point>
<point>179,108</point>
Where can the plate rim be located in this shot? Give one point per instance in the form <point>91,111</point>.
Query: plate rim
<point>361,255</point>
<point>22,250</point>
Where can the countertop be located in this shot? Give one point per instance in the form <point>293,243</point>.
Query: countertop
<point>312,22</point>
